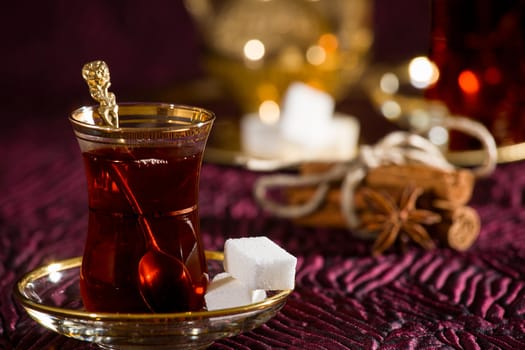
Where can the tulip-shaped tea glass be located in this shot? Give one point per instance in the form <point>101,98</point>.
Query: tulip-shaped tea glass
<point>143,250</point>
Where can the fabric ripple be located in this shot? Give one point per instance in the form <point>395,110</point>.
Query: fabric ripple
<point>344,298</point>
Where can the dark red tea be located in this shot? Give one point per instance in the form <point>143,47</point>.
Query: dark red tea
<point>164,182</point>
<point>479,48</point>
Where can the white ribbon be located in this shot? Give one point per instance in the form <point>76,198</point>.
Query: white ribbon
<point>396,148</point>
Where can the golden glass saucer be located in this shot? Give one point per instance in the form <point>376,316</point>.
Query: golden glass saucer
<point>50,294</point>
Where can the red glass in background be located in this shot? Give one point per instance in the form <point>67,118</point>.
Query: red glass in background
<point>479,48</point>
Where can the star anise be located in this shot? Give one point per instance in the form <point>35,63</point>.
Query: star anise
<point>396,220</point>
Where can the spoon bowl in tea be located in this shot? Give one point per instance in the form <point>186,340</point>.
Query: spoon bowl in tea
<point>164,282</point>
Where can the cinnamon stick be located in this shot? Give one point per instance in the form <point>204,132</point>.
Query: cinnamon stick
<point>459,227</point>
<point>328,215</point>
<point>445,193</point>
<point>455,186</point>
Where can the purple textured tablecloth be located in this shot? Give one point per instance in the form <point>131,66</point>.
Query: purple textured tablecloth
<point>344,298</point>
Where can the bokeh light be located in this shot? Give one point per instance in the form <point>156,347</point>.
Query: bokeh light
<point>389,83</point>
<point>391,110</point>
<point>315,55</point>
<point>269,112</point>
<point>468,82</point>
<point>254,50</point>
<point>438,135</point>
<point>422,72</point>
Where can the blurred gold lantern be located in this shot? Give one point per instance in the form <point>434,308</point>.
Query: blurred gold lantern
<point>256,48</point>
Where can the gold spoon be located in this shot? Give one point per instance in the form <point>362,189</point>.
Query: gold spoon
<point>164,281</point>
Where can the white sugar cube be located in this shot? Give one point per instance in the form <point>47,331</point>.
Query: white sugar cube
<point>307,114</point>
<point>224,291</point>
<point>259,263</point>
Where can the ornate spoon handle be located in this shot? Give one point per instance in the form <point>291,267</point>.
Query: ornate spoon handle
<point>96,75</point>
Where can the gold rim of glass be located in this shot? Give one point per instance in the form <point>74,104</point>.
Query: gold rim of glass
<point>144,124</point>
<point>102,316</point>
<point>177,116</point>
